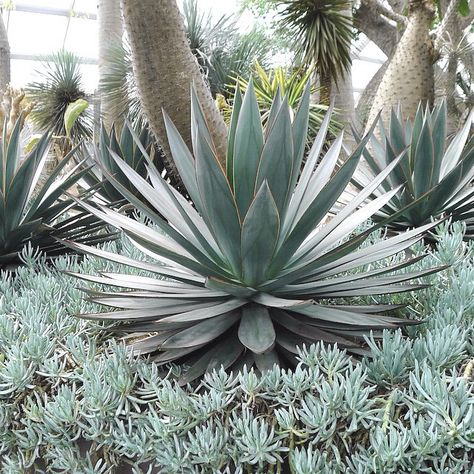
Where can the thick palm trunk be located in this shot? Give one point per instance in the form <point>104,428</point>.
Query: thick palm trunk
<point>409,77</point>
<point>110,34</point>
<point>165,68</point>
<point>367,97</point>
<point>4,57</point>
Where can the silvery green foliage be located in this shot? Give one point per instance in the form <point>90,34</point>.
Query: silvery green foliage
<point>74,401</point>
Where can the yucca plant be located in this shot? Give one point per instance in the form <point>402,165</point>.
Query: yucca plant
<point>281,81</point>
<point>34,213</point>
<point>59,85</point>
<point>123,145</point>
<point>321,32</point>
<point>251,273</point>
<point>438,174</point>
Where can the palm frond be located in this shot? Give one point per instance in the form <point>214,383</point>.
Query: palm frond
<point>321,32</point>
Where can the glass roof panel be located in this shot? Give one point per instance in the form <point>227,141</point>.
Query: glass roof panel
<point>82,38</point>
<point>88,6</point>
<point>25,71</point>
<point>33,34</point>
<point>39,34</point>
<point>22,72</point>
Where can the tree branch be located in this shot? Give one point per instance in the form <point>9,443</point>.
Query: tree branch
<point>397,5</point>
<point>376,28</point>
<point>381,9</point>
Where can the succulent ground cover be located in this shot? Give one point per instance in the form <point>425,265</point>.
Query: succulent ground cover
<point>66,382</point>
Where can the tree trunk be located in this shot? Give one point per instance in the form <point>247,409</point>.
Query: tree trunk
<point>450,33</point>
<point>409,77</point>
<point>325,83</point>
<point>165,68</point>
<point>342,94</point>
<point>4,57</point>
<point>367,97</point>
<point>376,28</point>
<point>110,35</point>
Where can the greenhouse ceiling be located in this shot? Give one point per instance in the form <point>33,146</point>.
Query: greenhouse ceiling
<point>38,28</point>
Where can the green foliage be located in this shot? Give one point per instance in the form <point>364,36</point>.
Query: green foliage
<point>35,214</point>
<point>60,84</point>
<point>221,50</point>
<point>257,7</point>
<point>73,112</point>
<point>123,146</point>
<point>120,86</point>
<point>74,401</point>
<point>437,174</point>
<point>321,33</point>
<point>236,59</point>
<point>292,84</point>
<point>463,8</point>
<point>240,292</point>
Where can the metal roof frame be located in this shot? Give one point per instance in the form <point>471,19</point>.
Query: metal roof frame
<point>30,8</point>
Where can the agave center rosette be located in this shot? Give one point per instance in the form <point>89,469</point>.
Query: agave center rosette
<point>249,273</point>
<point>438,173</point>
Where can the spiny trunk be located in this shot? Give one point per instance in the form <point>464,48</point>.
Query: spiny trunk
<point>110,35</point>
<point>409,77</point>
<point>367,97</point>
<point>165,68</point>
<point>4,57</point>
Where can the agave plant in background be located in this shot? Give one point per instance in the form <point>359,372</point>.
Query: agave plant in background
<point>59,85</point>
<point>123,146</point>
<point>250,273</point>
<point>438,176</point>
<point>271,86</point>
<point>37,214</point>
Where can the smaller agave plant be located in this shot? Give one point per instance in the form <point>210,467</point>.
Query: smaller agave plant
<point>121,144</point>
<point>102,161</point>
<point>438,174</point>
<point>36,213</point>
<point>250,273</point>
